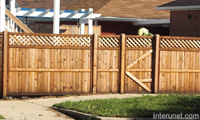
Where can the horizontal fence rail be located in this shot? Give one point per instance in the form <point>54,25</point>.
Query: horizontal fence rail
<point>49,64</point>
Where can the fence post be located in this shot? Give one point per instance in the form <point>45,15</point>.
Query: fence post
<point>5,63</point>
<point>156,61</point>
<point>1,63</point>
<point>94,64</point>
<point>122,62</point>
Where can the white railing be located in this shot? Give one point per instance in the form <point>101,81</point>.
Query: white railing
<point>13,24</point>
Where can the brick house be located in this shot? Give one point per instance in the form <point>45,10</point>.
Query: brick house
<point>118,16</point>
<point>184,17</point>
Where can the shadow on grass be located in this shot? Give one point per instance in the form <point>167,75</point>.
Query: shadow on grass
<point>170,105</point>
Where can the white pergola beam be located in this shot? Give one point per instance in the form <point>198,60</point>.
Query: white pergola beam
<point>93,16</point>
<point>2,15</point>
<point>64,15</point>
<point>56,18</point>
<point>30,12</point>
<point>49,14</point>
<point>78,15</point>
<point>44,13</point>
<point>72,14</point>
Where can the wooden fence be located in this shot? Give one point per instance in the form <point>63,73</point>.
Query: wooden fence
<point>47,64</point>
<point>179,64</point>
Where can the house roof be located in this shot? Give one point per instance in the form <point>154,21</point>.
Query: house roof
<point>181,5</point>
<point>108,8</point>
<point>44,4</point>
<point>124,8</point>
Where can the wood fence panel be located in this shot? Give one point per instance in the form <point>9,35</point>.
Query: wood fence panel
<point>179,71</point>
<point>108,64</point>
<point>179,65</point>
<point>108,70</point>
<point>48,70</point>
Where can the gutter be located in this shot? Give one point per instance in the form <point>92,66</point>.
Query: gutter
<point>119,19</point>
<point>136,21</point>
<point>179,8</point>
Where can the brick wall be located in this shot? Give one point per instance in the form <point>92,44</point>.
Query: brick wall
<point>185,23</point>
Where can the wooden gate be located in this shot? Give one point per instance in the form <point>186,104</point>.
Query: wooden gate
<point>138,64</point>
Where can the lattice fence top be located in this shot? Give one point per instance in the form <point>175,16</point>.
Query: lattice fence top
<point>48,40</point>
<point>109,42</point>
<point>179,43</point>
<point>138,42</point>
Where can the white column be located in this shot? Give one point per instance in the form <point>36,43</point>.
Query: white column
<point>56,18</point>
<point>90,26</point>
<point>13,11</point>
<point>12,7</point>
<point>90,23</point>
<point>82,28</point>
<point>2,15</point>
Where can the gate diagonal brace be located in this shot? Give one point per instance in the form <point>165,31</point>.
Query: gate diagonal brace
<point>140,58</point>
<point>138,81</point>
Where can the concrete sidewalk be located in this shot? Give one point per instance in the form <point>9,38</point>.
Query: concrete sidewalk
<point>39,109</point>
<point>23,110</point>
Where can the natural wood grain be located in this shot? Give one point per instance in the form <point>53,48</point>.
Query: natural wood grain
<point>123,65</point>
<point>5,63</point>
<point>95,59</point>
<point>138,59</point>
<point>138,81</point>
<point>156,63</point>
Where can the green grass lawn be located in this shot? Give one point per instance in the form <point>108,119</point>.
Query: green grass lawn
<point>143,106</point>
<point>1,117</point>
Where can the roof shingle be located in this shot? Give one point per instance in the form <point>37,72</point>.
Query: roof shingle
<point>108,8</point>
<point>124,8</point>
<point>44,4</point>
